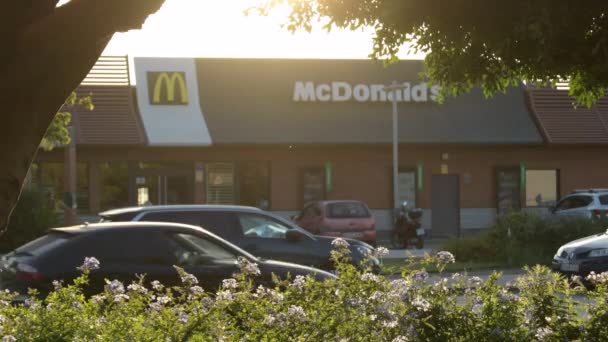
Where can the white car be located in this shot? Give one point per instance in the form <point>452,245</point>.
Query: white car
<point>588,203</point>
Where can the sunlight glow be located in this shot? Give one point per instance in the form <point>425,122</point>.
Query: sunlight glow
<point>207,28</point>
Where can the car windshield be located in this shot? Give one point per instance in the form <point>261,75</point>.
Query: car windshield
<point>347,210</point>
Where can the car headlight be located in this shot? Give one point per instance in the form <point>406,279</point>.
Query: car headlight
<point>596,253</point>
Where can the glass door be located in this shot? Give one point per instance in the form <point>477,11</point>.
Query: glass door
<point>164,183</point>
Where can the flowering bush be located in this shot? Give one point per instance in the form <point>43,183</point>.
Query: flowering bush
<point>358,306</point>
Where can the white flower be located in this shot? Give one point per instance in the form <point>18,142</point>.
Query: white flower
<point>224,296</point>
<point>340,243</point>
<point>98,298</point>
<point>506,296</point>
<point>456,276</point>
<point>296,312</point>
<point>196,290</point>
<point>156,285</point>
<point>121,297</point>
<point>400,338</point>
<point>299,282</point>
<point>369,277</point>
<point>230,284</point>
<point>248,267</point>
<point>56,284</point>
<point>30,304</point>
<point>269,320</point>
<point>373,317</point>
<point>163,300</point>
<point>183,317</point>
<point>137,288</point>
<point>90,263</point>
<point>542,334</point>
<point>381,252</point>
<point>155,306</point>
<point>476,280</point>
<point>445,257</point>
<point>114,287</point>
<point>421,275</point>
<point>601,278</point>
<point>399,284</point>
<point>421,304</point>
<point>8,338</point>
<point>390,324</point>
<point>77,305</point>
<point>189,279</point>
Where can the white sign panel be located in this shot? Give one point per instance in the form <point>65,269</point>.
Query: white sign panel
<point>168,101</point>
<point>339,91</point>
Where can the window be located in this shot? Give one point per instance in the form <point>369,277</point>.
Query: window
<point>574,202</point>
<point>260,226</point>
<point>313,185</point>
<point>114,185</point>
<point>217,222</point>
<point>51,178</point>
<point>120,247</point>
<point>190,250</point>
<point>347,210</point>
<point>542,188</point>
<point>604,200</point>
<point>253,180</point>
<point>220,183</point>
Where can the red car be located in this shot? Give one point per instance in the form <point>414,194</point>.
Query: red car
<point>348,219</point>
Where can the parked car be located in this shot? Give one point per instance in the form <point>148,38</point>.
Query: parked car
<point>261,233</point>
<point>349,219</point>
<point>583,255</point>
<point>587,203</point>
<point>127,249</point>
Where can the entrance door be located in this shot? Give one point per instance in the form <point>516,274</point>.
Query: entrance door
<point>445,206</point>
<point>407,187</point>
<point>164,189</point>
<point>508,195</point>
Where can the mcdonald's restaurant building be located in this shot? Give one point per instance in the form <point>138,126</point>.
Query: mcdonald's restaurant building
<point>276,133</point>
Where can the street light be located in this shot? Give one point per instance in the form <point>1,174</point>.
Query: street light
<point>392,89</point>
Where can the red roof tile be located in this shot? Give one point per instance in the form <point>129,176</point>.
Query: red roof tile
<point>563,122</point>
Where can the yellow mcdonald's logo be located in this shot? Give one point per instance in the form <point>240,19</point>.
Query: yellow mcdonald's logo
<point>170,81</point>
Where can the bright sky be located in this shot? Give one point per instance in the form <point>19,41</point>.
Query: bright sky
<point>218,28</point>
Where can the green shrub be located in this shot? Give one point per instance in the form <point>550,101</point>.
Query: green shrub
<point>355,307</point>
<point>522,238</point>
<point>31,218</point>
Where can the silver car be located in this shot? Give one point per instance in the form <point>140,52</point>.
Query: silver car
<point>587,203</point>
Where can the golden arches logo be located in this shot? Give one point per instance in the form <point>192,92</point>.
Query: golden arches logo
<point>170,82</point>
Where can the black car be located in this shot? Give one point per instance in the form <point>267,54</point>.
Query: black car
<point>134,248</point>
<point>582,256</point>
<point>256,231</point>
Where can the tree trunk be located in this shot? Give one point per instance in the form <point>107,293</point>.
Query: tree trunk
<point>49,58</point>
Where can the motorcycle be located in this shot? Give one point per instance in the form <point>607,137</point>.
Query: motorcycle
<point>408,228</point>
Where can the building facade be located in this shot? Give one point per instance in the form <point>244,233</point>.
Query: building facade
<point>278,133</point>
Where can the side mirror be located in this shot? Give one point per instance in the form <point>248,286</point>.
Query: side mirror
<point>293,235</point>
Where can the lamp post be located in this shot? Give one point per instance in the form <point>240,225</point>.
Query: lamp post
<point>393,89</point>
